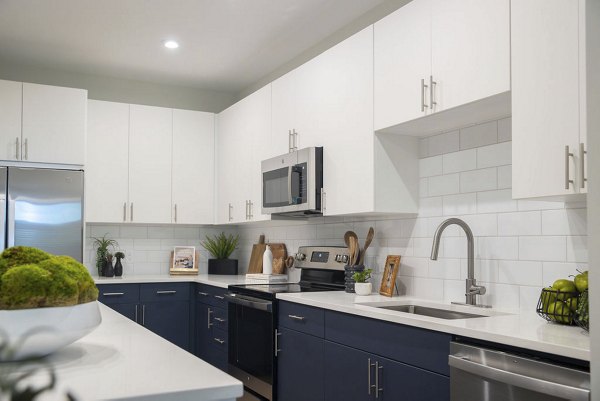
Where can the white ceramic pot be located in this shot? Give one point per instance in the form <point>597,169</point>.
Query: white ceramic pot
<point>41,331</point>
<point>363,288</point>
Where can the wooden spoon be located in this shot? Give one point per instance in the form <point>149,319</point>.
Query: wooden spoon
<point>368,241</point>
<point>353,250</point>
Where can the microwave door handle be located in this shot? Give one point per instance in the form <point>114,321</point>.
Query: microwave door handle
<point>290,169</point>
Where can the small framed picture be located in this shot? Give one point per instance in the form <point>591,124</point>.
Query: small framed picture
<point>388,281</point>
<point>184,260</point>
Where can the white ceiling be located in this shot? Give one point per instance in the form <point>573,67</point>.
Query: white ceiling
<point>225,45</point>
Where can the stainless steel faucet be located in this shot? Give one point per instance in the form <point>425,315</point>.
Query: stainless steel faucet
<point>471,288</point>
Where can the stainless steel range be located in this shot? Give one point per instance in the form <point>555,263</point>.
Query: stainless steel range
<point>253,316</point>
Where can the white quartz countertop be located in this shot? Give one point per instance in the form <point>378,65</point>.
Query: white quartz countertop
<point>211,279</point>
<point>122,360</point>
<point>514,328</point>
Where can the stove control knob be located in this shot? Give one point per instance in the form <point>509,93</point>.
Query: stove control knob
<point>345,258</point>
<point>300,256</point>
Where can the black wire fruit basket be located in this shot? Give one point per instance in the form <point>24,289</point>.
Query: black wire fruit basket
<point>582,316</point>
<point>558,306</point>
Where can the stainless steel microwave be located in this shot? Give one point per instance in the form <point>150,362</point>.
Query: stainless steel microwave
<point>292,184</point>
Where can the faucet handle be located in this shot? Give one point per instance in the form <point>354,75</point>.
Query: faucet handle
<point>476,290</point>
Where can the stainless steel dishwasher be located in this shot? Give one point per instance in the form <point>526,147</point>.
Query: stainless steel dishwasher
<point>481,374</point>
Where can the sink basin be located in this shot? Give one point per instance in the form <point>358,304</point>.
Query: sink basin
<point>432,312</point>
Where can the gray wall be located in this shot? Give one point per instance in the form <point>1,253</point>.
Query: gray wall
<point>593,137</point>
<point>121,90</point>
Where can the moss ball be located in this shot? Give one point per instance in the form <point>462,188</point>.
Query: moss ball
<point>21,255</point>
<point>73,269</point>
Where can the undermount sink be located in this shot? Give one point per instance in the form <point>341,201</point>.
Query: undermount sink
<point>432,312</point>
<point>431,309</point>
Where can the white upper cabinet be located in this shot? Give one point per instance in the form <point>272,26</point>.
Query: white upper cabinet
<point>54,122</point>
<point>107,164</point>
<point>436,55</point>
<point>11,104</point>
<point>243,141</point>
<point>548,124</point>
<point>150,149</point>
<point>470,50</point>
<point>193,167</point>
<point>402,60</point>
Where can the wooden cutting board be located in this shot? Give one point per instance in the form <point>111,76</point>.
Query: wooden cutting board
<point>255,265</point>
<point>279,251</point>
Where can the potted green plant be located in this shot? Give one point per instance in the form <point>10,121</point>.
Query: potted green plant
<point>102,244</point>
<point>362,285</point>
<point>221,247</point>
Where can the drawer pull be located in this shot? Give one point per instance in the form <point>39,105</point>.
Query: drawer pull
<point>204,294</point>
<point>219,340</point>
<point>219,297</point>
<point>166,292</point>
<point>300,318</point>
<point>112,294</point>
<point>218,319</point>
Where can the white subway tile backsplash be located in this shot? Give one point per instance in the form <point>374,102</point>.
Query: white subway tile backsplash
<point>529,297</point>
<point>423,148</point>
<point>160,232</point>
<point>564,222</point>
<point>553,271</point>
<point>445,268</point>
<point>496,201</point>
<point>459,161</point>
<point>520,223</point>
<point>479,180</point>
<point>577,249</point>
<point>482,225</point>
<point>504,177</point>
<point>444,143</point>
<point>520,272</point>
<point>424,187</point>
<point>131,231</point>
<point>413,266</point>
<point>497,248</point>
<point>428,288</point>
<point>505,129</point>
<point>430,166</point>
<point>485,270</point>
<point>479,135</point>
<point>460,204</point>
<point>539,205</point>
<point>443,185</point>
<point>494,155</point>
<point>553,249</point>
<point>431,207</point>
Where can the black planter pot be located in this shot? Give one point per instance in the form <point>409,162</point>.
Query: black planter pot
<point>223,266</point>
<point>109,271</point>
<point>118,268</point>
<point>349,272</point>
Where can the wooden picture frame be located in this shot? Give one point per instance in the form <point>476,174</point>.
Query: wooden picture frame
<point>388,281</point>
<point>184,260</point>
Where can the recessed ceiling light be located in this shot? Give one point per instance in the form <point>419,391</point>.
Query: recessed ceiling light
<point>171,44</point>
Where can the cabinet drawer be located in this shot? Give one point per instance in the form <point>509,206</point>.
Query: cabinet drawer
<point>219,318</point>
<point>417,347</point>
<point>212,295</point>
<point>305,319</point>
<point>118,293</point>
<point>219,340</point>
<point>165,292</point>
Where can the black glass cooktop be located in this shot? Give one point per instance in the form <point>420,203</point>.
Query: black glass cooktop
<point>269,290</point>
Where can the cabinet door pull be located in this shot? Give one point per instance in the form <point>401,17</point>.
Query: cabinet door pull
<point>432,84</point>
<point>219,297</point>
<point>369,366</point>
<point>113,294</point>
<point>136,313</point>
<point>218,319</point>
<point>295,137</point>
<point>143,315</point>
<point>208,319</point>
<point>26,143</point>
<point>568,179</point>
<point>219,340</point>
<point>230,207</point>
<point>176,213</point>
<point>290,147</point>
<point>277,349</point>
<point>296,317</point>
<point>377,388</point>
<point>423,86</point>
<point>166,292</point>
<point>250,207</point>
<point>131,212</point>
<point>203,293</point>
<point>17,149</point>
<point>582,154</point>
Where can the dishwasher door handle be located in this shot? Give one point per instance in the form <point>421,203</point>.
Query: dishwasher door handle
<point>518,380</point>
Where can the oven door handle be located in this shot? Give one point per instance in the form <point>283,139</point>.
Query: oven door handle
<point>290,172</point>
<point>515,379</point>
<point>250,302</point>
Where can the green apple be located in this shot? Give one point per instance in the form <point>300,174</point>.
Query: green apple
<point>566,286</point>
<point>560,312</point>
<point>572,303</point>
<point>548,297</point>
<point>581,281</point>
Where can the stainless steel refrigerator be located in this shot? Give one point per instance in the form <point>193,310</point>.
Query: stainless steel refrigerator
<point>42,208</point>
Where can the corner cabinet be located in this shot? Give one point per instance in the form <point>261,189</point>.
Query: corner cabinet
<point>548,99</point>
<point>156,163</point>
<point>328,350</point>
<point>243,140</point>
<point>435,55</point>
<point>42,123</point>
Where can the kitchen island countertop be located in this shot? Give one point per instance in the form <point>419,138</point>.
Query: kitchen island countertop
<point>122,360</point>
<point>523,329</point>
<point>216,280</point>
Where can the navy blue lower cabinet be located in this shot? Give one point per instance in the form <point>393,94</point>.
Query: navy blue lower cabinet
<point>347,373</point>
<point>130,311</point>
<point>168,319</point>
<point>202,332</point>
<point>300,367</point>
